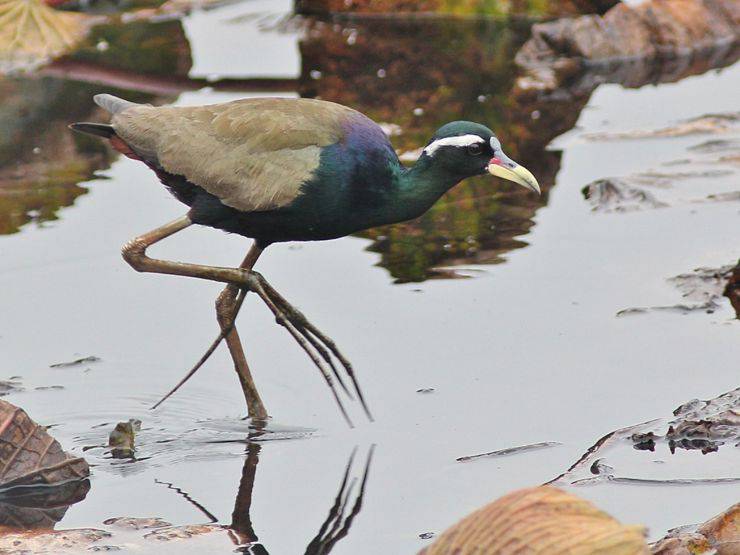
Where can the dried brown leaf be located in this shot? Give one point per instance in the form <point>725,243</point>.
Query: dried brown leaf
<point>30,456</point>
<point>542,520</point>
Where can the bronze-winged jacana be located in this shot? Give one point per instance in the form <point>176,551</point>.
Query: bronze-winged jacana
<point>281,169</point>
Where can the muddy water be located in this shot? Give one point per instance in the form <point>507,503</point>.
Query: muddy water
<point>529,350</point>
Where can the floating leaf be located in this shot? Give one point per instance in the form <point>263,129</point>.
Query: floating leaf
<point>542,520</point>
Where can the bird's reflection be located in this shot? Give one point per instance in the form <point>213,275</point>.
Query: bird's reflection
<point>342,513</point>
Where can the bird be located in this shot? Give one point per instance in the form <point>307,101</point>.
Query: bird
<point>286,169</point>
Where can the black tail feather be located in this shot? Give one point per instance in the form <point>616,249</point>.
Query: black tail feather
<point>99,129</point>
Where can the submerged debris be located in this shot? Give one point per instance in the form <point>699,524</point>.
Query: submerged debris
<point>703,288</point>
<point>136,523</point>
<point>704,425</point>
<point>510,451</point>
<point>122,439</point>
<point>541,520</point>
<point>614,195</point>
<point>11,385</point>
<point>707,124</point>
<point>78,362</point>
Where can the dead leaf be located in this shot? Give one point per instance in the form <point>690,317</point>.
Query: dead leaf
<point>30,456</point>
<point>717,536</point>
<point>541,520</point>
<point>54,542</point>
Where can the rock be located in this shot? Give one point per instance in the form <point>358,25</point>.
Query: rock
<point>663,35</point>
<point>541,520</point>
<point>703,288</point>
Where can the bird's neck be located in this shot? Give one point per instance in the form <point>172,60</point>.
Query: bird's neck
<point>421,186</point>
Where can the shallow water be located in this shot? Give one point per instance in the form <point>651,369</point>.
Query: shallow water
<point>528,350</point>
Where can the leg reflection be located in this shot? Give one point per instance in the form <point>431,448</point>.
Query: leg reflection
<point>336,526</point>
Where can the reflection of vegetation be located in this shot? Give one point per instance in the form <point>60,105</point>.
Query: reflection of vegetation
<point>420,75</point>
<point>41,161</point>
<point>469,225</point>
<point>457,7</point>
<point>159,48</point>
<point>391,69</point>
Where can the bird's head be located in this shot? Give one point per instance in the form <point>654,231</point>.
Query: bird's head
<point>464,149</point>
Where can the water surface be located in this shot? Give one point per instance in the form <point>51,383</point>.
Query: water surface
<point>528,350</point>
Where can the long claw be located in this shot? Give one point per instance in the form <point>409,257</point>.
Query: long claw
<point>327,357</point>
<point>347,366</point>
<point>303,322</point>
<point>288,325</point>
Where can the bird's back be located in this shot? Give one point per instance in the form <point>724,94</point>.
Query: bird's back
<point>252,154</point>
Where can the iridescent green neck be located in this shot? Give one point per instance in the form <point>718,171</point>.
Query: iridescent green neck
<point>420,186</point>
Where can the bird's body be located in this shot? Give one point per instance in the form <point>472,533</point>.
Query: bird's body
<point>280,169</point>
<point>275,169</point>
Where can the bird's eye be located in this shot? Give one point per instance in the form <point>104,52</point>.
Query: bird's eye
<point>475,149</point>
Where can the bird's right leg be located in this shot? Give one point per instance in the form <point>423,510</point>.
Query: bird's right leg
<point>134,252</point>
<point>226,310</point>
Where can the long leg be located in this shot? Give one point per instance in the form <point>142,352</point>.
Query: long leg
<point>305,334</point>
<point>226,308</point>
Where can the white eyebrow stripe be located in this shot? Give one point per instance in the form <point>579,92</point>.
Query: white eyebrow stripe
<point>462,140</point>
